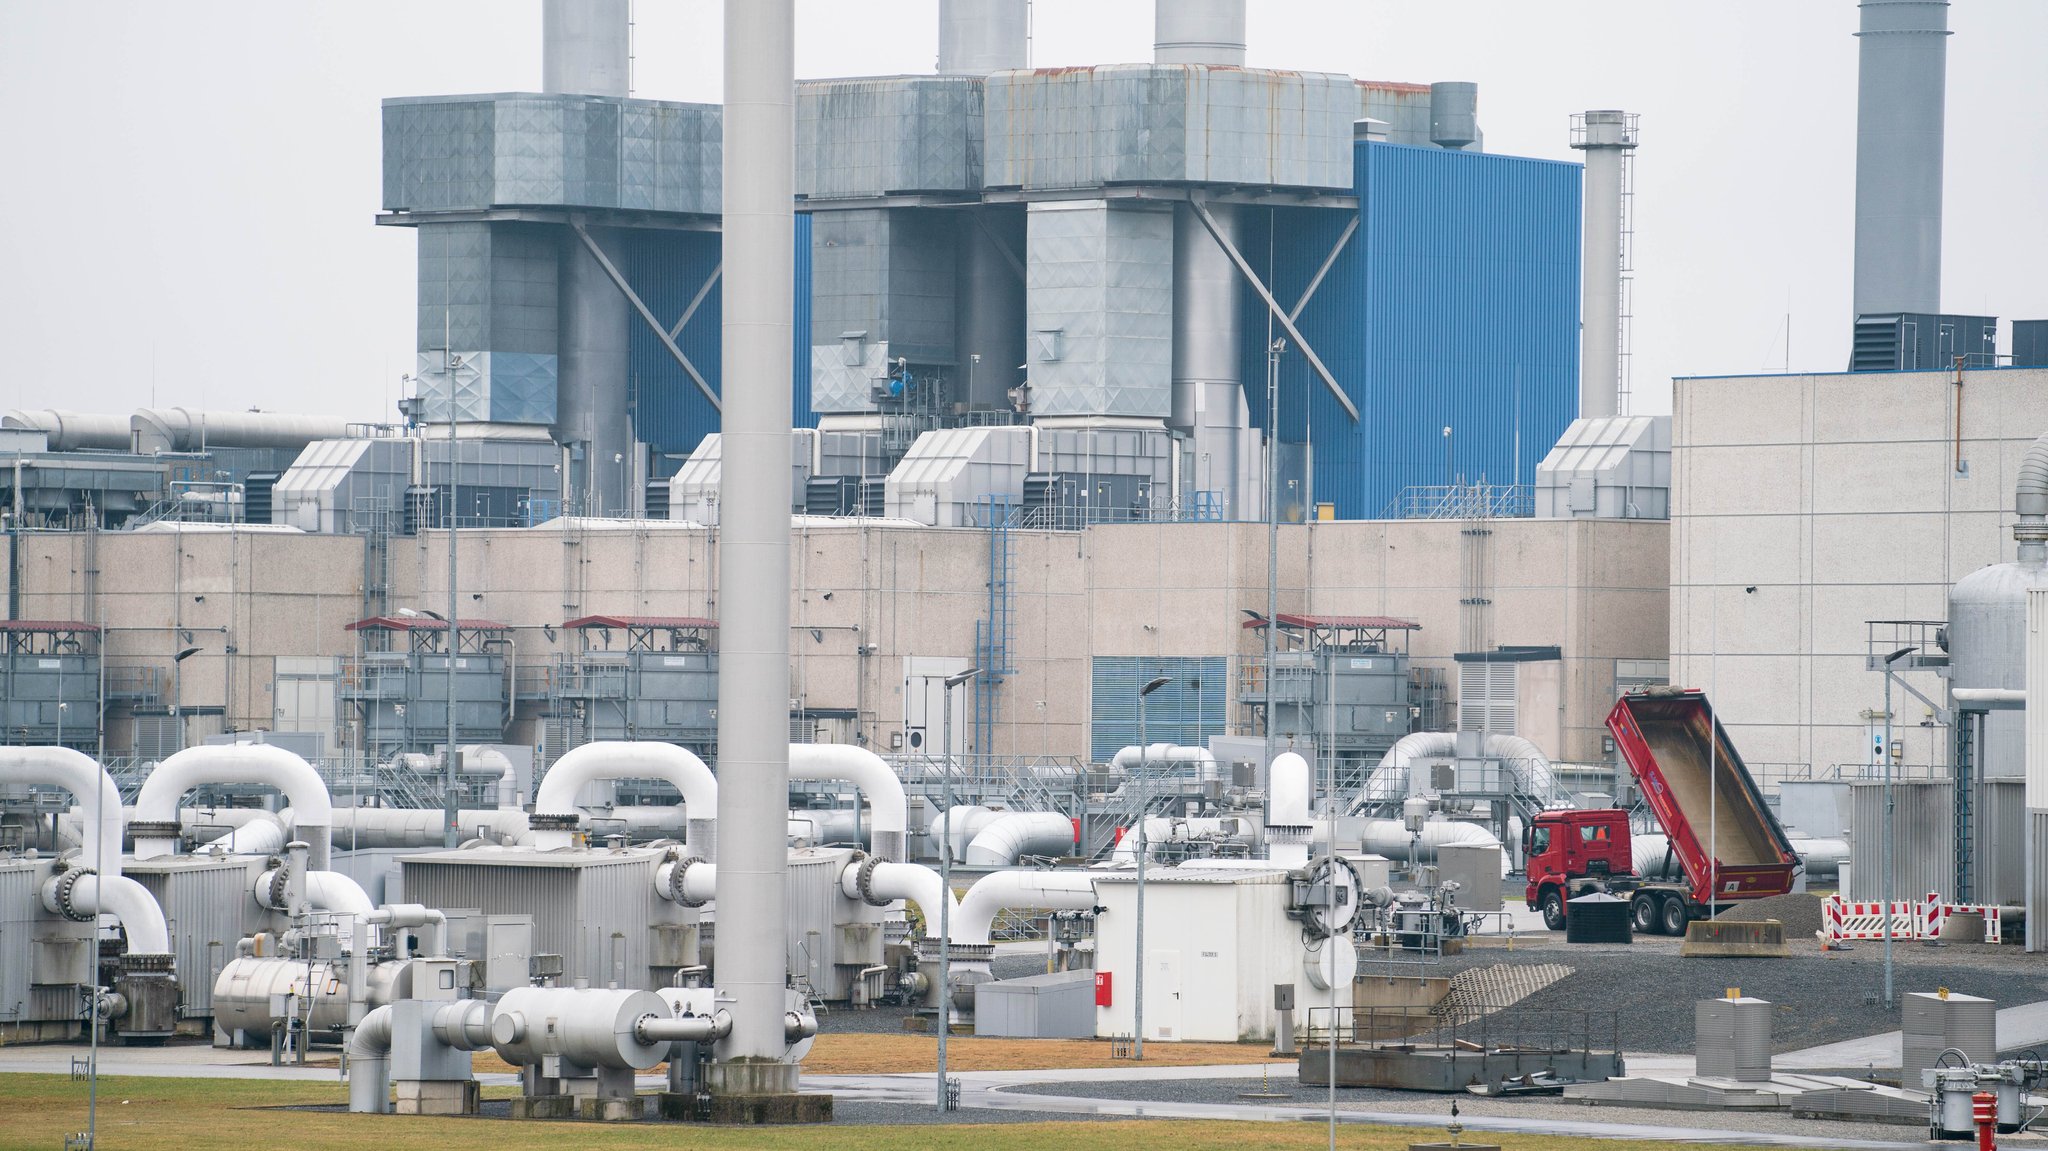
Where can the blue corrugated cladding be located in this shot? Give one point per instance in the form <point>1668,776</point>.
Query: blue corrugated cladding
<point>667,268</point>
<point>1190,708</point>
<point>1455,305</point>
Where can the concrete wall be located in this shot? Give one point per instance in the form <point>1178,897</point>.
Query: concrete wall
<point>1594,588</point>
<point>1837,499</point>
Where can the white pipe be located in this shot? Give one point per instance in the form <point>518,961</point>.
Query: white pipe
<point>369,1064</point>
<point>867,771</point>
<point>88,783</point>
<point>1059,890</point>
<point>385,827</point>
<point>1390,837</point>
<point>959,825</point>
<point>617,759</point>
<point>1018,833</point>
<point>156,808</point>
<point>91,896</point>
<point>482,759</point>
<point>915,882</point>
<point>1389,782</point>
<point>329,891</point>
<point>1154,758</point>
<point>699,882</point>
<point>1160,829</point>
<point>2016,695</point>
<point>263,835</point>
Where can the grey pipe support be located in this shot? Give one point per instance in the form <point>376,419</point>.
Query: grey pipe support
<point>156,807</point>
<point>759,193</point>
<point>369,1064</point>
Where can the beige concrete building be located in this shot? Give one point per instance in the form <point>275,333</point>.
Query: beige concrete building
<point>1805,507</point>
<point>872,595</point>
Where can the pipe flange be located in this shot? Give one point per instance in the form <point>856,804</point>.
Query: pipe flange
<point>66,884</point>
<point>971,952</point>
<point>538,822</point>
<point>278,894</point>
<point>677,886</point>
<point>154,828</point>
<point>135,964</point>
<point>864,880</point>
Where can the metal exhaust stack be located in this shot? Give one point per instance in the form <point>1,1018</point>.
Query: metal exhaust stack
<point>977,37</point>
<point>1198,32</point>
<point>1606,137</point>
<point>754,1076</point>
<point>584,46</point>
<point>1902,77</point>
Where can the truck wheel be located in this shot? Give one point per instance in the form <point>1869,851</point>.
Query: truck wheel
<point>1674,916</point>
<point>1553,909</point>
<point>1642,914</point>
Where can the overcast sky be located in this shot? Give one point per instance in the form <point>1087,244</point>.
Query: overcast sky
<point>186,203</point>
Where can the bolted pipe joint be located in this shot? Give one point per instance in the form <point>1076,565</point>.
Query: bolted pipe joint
<point>684,1028</point>
<point>464,1025</point>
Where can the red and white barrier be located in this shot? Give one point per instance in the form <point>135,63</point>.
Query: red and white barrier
<point>1845,920</point>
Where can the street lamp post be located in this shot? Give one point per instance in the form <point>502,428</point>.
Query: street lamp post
<point>946,884</point>
<point>1144,805</point>
<point>1890,663</point>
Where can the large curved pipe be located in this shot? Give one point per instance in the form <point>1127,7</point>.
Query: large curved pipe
<point>369,1064</point>
<point>388,827</point>
<point>1389,782</point>
<point>958,825</point>
<point>1059,890</point>
<point>98,799</point>
<point>71,431</point>
<point>1158,757</point>
<point>1019,833</point>
<point>1160,829</point>
<point>156,808</point>
<point>2030,501</point>
<point>329,891</point>
<point>888,882</point>
<point>83,896</point>
<point>874,777</point>
<point>1391,838</point>
<point>619,759</point>
<point>263,835</point>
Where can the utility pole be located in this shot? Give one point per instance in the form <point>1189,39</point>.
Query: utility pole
<point>1144,810</point>
<point>1272,526</point>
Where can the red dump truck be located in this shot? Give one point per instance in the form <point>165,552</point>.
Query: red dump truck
<point>1694,781</point>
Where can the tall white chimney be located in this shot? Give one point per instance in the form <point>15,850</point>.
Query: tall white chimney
<point>977,37</point>
<point>1198,32</point>
<point>1606,137</point>
<point>1901,84</point>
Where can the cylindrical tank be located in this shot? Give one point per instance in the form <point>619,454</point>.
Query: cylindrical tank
<point>590,393</point>
<point>1208,334</point>
<point>72,431</point>
<point>1453,113</point>
<point>585,47</point>
<point>1987,647</point>
<point>242,992</point>
<point>595,1027</point>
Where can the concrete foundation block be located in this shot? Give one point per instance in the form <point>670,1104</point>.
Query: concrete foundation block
<point>677,1108</point>
<point>436,1097</point>
<point>544,1107</point>
<point>769,1110</point>
<point>611,1109</point>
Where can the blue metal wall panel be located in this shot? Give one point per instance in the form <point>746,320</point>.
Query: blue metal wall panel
<point>1462,279</point>
<point>667,268</point>
<point>1187,711</point>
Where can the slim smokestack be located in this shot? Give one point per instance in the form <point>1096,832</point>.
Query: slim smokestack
<point>977,37</point>
<point>1606,137</point>
<point>1902,77</point>
<point>1198,32</point>
<point>753,561</point>
<point>585,47</point>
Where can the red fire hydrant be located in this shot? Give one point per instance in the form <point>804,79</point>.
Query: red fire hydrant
<point>1984,1109</point>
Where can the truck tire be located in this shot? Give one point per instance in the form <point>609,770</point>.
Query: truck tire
<point>1642,914</point>
<point>1553,909</point>
<point>1674,917</point>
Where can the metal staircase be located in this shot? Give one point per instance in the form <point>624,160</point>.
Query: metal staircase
<point>993,633</point>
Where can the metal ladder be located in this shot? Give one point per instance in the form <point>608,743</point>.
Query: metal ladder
<point>992,635</point>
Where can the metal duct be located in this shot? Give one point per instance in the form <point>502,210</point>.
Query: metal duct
<point>879,883</point>
<point>1901,83</point>
<point>2030,495</point>
<point>1453,113</point>
<point>152,430</point>
<point>759,187</point>
<point>867,771</point>
<point>586,47</point>
<point>990,310</point>
<point>1606,139</point>
<point>369,1064</point>
<point>1388,782</point>
<point>84,896</point>
<point>72,431</point>
<point>1021,833</point>
<point>992,893</point>
<point>590,391</point>
<point>1154,758</point>
<point>1208,335</point>
<point>156,807</point>
<point>619,759</point>
<point>1391,838</point>
<point>325,891</point>
<point>977,37</point>
<point>1198,32</point>
<point>99,801</point>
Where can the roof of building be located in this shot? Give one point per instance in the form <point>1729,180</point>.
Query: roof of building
<point>656,622</point>
<point>423,623</point>
<point>1360,622</point>
<point>48,625</point>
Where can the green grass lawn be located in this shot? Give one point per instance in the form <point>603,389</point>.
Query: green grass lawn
<point>142,1114</point>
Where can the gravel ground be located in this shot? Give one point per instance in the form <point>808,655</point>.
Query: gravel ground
<point>1820,994</point>
<point>1409,1102</point>
<point>1799,911</point>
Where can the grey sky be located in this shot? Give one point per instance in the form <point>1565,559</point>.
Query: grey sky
<point>190,186</point>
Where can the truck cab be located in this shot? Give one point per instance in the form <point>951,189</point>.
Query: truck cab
<point>1567,850</point>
